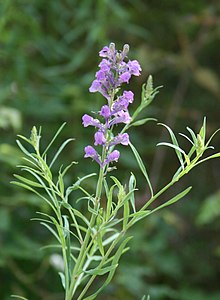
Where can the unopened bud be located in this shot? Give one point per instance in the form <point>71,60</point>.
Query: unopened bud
<point>125,49</point>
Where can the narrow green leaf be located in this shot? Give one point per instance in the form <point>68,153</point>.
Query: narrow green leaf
<point>126,214</point>
<point>51,230</point>
<point>142,167</point>
<point>61,183</point>
<point>100,244</point>
<point>202,131</point>
<point>27,181</point>
<point>109,202</point>
<point>175,143</point>
<point>143,121</point>
<point>192,135</point>
<point>212,136</point>
<point>207,158</point>
<point>18,297</point>
<point>174,199</point>
<point>112,272</point>
<point>132,186</point>
<point>54,138</point>
<point>23,149</point>
<point>62,277</point>
<point>59,151</point>
<point>101,271</point>
<point>76,185</point>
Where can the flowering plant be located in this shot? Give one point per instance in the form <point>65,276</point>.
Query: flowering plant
<point>92,246</point>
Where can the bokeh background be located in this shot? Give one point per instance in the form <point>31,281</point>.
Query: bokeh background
<point>48,58</point>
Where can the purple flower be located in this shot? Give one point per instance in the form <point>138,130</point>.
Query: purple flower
<point>95,87</point>
<point>100,75</point>
<point>105,65</point>
<point>124,77</point>
<point>99,138</point>
<point>128,95</point>
<point>121,138</point>
<point>134,67</point>
<point>89,121</point>
<point>123,101</point>
<point>121,117</point>
<point>104,52</point>
<point>114,156</point>
<point>91,152</point>
<point>105,111</point>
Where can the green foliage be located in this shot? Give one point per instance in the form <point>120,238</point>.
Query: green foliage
<point>47,63</point>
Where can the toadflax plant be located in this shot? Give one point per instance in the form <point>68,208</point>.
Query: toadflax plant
<point>91,245</point>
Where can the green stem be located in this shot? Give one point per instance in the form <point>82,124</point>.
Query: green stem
<point>110,249</point>
<point>84,249</point>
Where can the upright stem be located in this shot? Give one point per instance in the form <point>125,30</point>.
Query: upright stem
<point>83,252</point>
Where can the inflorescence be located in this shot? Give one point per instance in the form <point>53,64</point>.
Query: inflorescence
<point>115,69</point>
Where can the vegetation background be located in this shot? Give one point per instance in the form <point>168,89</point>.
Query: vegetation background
<point>48,58</point>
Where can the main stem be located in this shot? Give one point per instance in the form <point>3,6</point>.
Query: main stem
<point>83,252</point>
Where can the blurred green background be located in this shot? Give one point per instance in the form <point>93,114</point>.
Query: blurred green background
<point>48,58</point>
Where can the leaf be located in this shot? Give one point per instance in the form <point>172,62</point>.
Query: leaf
<point>100,244</point>
<point>142,167</point>
<point>132,186</point>
<point>102,271</point>
<point>112,272</point>
<point>207,158</point>
<point>109,202</point>
<point>126,214</point>
<point>60,150</point>
<point>19,297</point>
<point>51,230</point>
<point>76,185</point>
<point>27,181</point>
<point>62,277</point>
<point>175,144</point>
<point>24,150</point>
<point>173,200</point>
<point>61,183</point>
<point>54,138</point>
<point>143,121</point>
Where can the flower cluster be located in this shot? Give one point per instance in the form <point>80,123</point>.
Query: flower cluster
<point>114,71</point>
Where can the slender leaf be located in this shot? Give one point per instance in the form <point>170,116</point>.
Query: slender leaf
<point>112,272</point>
<point>101,271</point>
<point>175,143</point>
<point>54,138</point>
<point>59,151</point>
<point>142,121</point>
<point>142,167</point>
<point>174,199</point>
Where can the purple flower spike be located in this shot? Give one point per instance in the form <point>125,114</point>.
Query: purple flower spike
<point>121,138</point>
<point>89,121</point>
<point>115,69</point>
<point>99,138</point>
<point>114,156</point>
